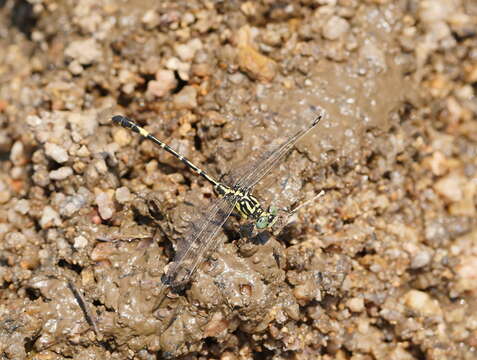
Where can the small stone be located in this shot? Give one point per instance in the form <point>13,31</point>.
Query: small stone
<point>237,78</point>
<point>216,325</point>
<point>121,137</point>
<point>49,218</point>
<point>186,98</point>
<point>182,68</point>
<point>61,173</point>
<point>123,195</point>
<point>422,303</point>
<point>84,51</point>
<point>256,65</point>
<point>72,204</point>
<point>80,242</point>
<point>83,151</point>
<point>355,304</point>
<point>22,206</point>
<point>188,18</point>
<point>17,155</point>
<point>75,67</point>
<point>105,205</point>
<point>334,28</point>
<point>151,19</point>
<point>187,51</point>
<point>164,83</point>
<point>421,259</point>
<point>433,11</point>
<point>450,187</point>
<point>466,206</point>
<point>56,152</point>
<point>437,163</point>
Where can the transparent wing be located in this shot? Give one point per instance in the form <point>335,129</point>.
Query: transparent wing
<point>254,172</point>
<point>199,241</point>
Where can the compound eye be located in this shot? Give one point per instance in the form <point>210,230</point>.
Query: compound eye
<point>262,222</point>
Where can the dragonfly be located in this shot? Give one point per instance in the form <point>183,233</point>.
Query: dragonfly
<point>201,239</point>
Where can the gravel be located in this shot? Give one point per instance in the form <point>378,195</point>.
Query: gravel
<point>335,28</point>
<point>56,152</point>
<point>382,265</point>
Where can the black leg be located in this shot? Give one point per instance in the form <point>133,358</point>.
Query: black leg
<point>261,238</point>
<point>246,231</point>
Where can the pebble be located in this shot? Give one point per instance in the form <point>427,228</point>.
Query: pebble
<point>182,68</point>
<point>80,242</point>
<point>16,239</point>
<point>75,67</point>
<point>187,51</point>
<point>56,152</point>
<point>84,51</point>
<point>256,65</point>
<point>450,187</point>
<point>334,28</point>
<point>22,206</point>
<point>49,218</point>
<point>421,259</point>
<point>164,83</point>
<point>355,304</point>
<point>422,303</point>
<point>434,10</point>
<point>17,153</point>
<point>86,124</point>
<point>186,98</point>
<point>61,173</point>
<point>151,19</point>
<point>122,195</point>
<point>121,137</point>
<point>83,151</point>
<point>105,205</point>
<point>72,204</point>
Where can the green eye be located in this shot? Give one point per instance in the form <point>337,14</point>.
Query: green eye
<point>273,210</point>
<point>262,222</point>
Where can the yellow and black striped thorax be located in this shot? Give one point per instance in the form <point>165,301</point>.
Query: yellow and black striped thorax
<point>247,205</point>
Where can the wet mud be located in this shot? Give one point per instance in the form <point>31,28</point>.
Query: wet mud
<point>382,265</point>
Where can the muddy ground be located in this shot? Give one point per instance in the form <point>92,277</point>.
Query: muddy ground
<point>383,265</point>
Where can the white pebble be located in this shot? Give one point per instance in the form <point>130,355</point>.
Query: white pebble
<point>186,98</point>
<point>151,19</point>
<point>56,152</point>
<point>84,51</point>
<point>355,304</point>
<point>434,10</point>
<point>421,259</point>
<point>105,205</point>
<point>164,83</point>
<point>334,28</point>
<point>61,173</point>
<point>22,206</point>
<point>422,303</point>
<point>17,153</point>
<point>123,195</point>
<point>49,218</point>
<point>80,242</point>
<point>187,51</point>
<point>450,187</point>
<point>74,203</point>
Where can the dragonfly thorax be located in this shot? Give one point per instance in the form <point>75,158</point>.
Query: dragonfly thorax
<point>249,207</point>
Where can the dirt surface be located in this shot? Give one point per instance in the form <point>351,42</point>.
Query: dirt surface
<point>382,266</point>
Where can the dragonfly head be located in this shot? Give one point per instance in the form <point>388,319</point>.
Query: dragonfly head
<point>267,219</point>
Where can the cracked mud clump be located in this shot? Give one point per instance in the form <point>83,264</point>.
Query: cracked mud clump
<point>381,266</point>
